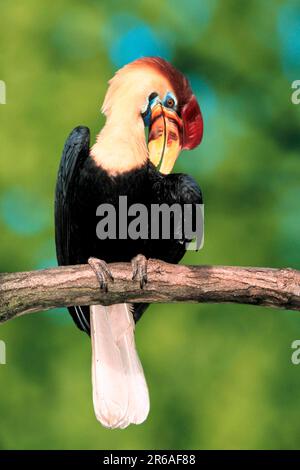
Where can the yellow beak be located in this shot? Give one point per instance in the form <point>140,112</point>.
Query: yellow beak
<point>165,138</point>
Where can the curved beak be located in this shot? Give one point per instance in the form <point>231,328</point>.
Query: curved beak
<point>165,137</point>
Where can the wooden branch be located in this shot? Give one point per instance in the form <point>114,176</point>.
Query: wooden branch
<point>26,292</point>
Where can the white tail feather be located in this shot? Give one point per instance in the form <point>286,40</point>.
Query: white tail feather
<point>120,392</point>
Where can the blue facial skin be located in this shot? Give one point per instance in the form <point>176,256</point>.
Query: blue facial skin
<point>153,100</point>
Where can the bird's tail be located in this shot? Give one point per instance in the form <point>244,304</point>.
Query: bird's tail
<point>120,392</point>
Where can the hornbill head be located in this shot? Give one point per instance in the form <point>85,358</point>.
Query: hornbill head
<point>151,90</point>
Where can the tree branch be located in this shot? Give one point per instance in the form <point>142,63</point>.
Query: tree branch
<point>26,292</point>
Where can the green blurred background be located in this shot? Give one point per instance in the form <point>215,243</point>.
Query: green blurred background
<point>220,376</point>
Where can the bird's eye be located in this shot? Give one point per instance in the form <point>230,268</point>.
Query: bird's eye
<point>170,103</point>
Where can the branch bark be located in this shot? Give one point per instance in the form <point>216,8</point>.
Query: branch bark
<point>26,292</point>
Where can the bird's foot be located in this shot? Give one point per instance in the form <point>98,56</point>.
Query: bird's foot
<point>139,269</point>
<point>102,272</point>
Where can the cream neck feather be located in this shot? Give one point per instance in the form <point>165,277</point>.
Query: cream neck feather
<point>120,146</point>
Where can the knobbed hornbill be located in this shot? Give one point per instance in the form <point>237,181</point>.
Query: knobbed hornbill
<point>147,93</point>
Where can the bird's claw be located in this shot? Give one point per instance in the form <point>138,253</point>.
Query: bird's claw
<point>139,269</point>
<point>102,272</point>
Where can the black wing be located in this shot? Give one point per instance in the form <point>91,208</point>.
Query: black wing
<point>175,189</point>
<point>76,151</point>
<point>171,189</point>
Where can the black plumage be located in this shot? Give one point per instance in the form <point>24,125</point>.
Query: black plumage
<point>82,186</point>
